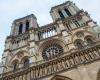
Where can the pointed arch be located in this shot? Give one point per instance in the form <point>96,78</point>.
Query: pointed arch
<point>89,39</point>
<point>19,56</point>
<point>86,33</point>
<point>59,77</point>
<point>15,64</point>
<point>79,43</point>
<point>25,61</point>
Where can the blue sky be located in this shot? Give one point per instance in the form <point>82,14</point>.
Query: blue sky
<point>13,9</point>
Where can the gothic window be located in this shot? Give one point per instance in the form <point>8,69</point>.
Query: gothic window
<point>26,63</point>
<point>68,26</point>
<point>76,23</point>
<point>52,51</point>
<point>67,12</point>
<point>61,14</point>
<point>79,44</point>
<point>89,40</point>
<point>15,66</point>
<point>27,25</point>
<point>20,28</point>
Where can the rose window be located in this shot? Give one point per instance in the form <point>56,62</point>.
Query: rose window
<point>52,51</point>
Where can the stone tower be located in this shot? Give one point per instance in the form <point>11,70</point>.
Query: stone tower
<point>66,49</point>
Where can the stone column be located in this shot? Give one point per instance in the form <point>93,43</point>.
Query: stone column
<point>63,29</point>
<point>53,15</point>
<point>75,7</point>
<point>16,29</point>
<point>56,14</point>
<point>32,43</point>
<point>12,29</point>
<point>58,29</point>
<point>72,10</point>
<point>24,27</point>
<point>64,13</point>
<point>33,23</point>
<point>61,26</point>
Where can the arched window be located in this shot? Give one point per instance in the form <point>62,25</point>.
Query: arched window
<point>67,12</point>
<point>89,40</point>
<point>61,14</point>
<point>79,44</point>
<point>27,26</point>
<point>20,28</point>
<point>26,63</point>
<point>52,51</point>
<point>68,26</point>
<point>15,66</point>
<point>76,23</point>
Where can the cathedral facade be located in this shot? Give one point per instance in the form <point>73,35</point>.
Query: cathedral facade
<point>66,49</point>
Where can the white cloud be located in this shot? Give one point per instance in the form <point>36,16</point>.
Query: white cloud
<point>13,7</point>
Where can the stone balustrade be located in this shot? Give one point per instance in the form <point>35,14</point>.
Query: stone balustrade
<point>47,31</point>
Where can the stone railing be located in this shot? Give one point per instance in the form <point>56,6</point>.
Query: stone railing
<point>65,62</point>
<point>47,31</point>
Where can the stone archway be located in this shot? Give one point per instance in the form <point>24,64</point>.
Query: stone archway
<point>59,77</point>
